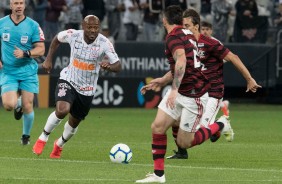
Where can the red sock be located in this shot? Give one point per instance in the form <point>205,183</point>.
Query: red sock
<point>204,133</point>
<point>200,136</point>
<point>215,127</point>
<point>158,150</point>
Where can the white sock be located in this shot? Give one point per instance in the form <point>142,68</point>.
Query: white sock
<point>19,102</point>
<point>51,124</point>
<point>67,134</point>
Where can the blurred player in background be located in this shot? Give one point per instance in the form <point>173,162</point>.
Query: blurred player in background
<point>21,40</point>
<point>78,81</point>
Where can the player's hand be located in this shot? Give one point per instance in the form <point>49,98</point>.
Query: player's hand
<point>252,86</point>
<point>1,65</point>
<point>47,65</point>
<point>151,86</point>
<point>170,103</point>
<point>18,53</point>
<point>105,65</point>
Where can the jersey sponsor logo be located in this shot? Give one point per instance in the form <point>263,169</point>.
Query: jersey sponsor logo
<point>24,39</point>
<point>6,37</point>
<point>83,65</point>
<point>201,44</point>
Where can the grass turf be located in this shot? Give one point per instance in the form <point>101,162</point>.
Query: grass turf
<point>253,157</point>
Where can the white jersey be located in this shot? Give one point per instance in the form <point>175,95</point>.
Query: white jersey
<point>83,69</point>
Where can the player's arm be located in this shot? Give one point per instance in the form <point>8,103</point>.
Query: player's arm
<point>180,58</point>
<point>47,64</point>
<point>236,61</point>
<point>157,83</point>
<point>38,50</point>
<point>115,67</point>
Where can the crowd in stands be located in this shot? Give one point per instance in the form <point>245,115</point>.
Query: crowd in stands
<point>248,21</point>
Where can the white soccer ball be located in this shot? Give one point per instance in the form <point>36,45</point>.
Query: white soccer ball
<point>121,153</point>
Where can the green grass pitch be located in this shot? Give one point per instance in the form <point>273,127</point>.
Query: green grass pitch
<point>255,155</point>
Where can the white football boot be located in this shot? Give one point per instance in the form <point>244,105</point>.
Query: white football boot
<point>227,131</point>
<point>152,178</point>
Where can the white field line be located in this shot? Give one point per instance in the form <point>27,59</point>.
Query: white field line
<point>144,165</point>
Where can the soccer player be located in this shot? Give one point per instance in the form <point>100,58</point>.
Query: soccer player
<point>78,81</point>
<point>206,29</point>
<point>185,100</point>
<point>211,53</point>
<point>21,40</point>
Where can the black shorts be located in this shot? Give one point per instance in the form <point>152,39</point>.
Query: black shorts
<point>80,104</point>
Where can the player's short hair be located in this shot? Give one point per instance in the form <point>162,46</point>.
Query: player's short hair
<point>206,24</point>
<point>173,15</point>
<point>195,17</point>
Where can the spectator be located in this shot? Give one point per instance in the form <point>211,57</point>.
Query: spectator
<point>245,27</point>
<point>96,8</point>
<point>114,9</point>
<point>131,19</point>
<point>40,7</point>
<point>55,7</point>
<point>220,12</point>
<point>73,14</point>
<point>150,21</point>
<point>206,10</point>
<point>6,7</point>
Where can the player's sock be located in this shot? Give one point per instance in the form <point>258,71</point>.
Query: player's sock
<point>28,120</point>
<point>215,127</point>
<point>67,134</point>
<point>51,124</point>
<point>159,143</point>
<point>204,133</point>
<point>19,102</point>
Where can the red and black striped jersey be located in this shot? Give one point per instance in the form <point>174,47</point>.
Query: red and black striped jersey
<point>194,83</point>
<point>211,53</point>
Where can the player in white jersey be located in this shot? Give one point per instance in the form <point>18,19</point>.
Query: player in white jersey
<point>77,83</point>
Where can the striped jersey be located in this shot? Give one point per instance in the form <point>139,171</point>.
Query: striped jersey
<point>83,69</point>
<point>21,35</point>
<point>194,84</point>
<point>211,53</point>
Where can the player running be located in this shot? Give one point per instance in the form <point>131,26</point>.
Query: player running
<point>78,81</point>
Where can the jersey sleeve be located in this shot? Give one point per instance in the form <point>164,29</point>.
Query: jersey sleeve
<point>110,52</point>
<point>174,43</point>
<point>38,35</point>
<point>65,36</point>
<point>219,50</point>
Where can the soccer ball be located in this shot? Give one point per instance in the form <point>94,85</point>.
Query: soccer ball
<point>121,153</point>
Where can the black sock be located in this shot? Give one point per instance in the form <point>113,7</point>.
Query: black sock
<point>159,173</point>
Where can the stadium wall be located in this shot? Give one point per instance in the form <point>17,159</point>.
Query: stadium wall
<point>142,61</point>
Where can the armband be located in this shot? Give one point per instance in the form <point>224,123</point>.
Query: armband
<point>26,53</point>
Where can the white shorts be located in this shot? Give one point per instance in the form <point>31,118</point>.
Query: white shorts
<point>211,110</point>
<point>188,110</point>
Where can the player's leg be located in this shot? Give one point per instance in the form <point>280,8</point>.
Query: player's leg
<point>79,110</point>
<point>28,86</point>
<point>18,111</point>
<point>188,134</point>
<point>180,153</point>
<point>63,105</point>
<point>225,107</point>
<point>9,88</point>
<point>28,116</point>
<point>163,121</point>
